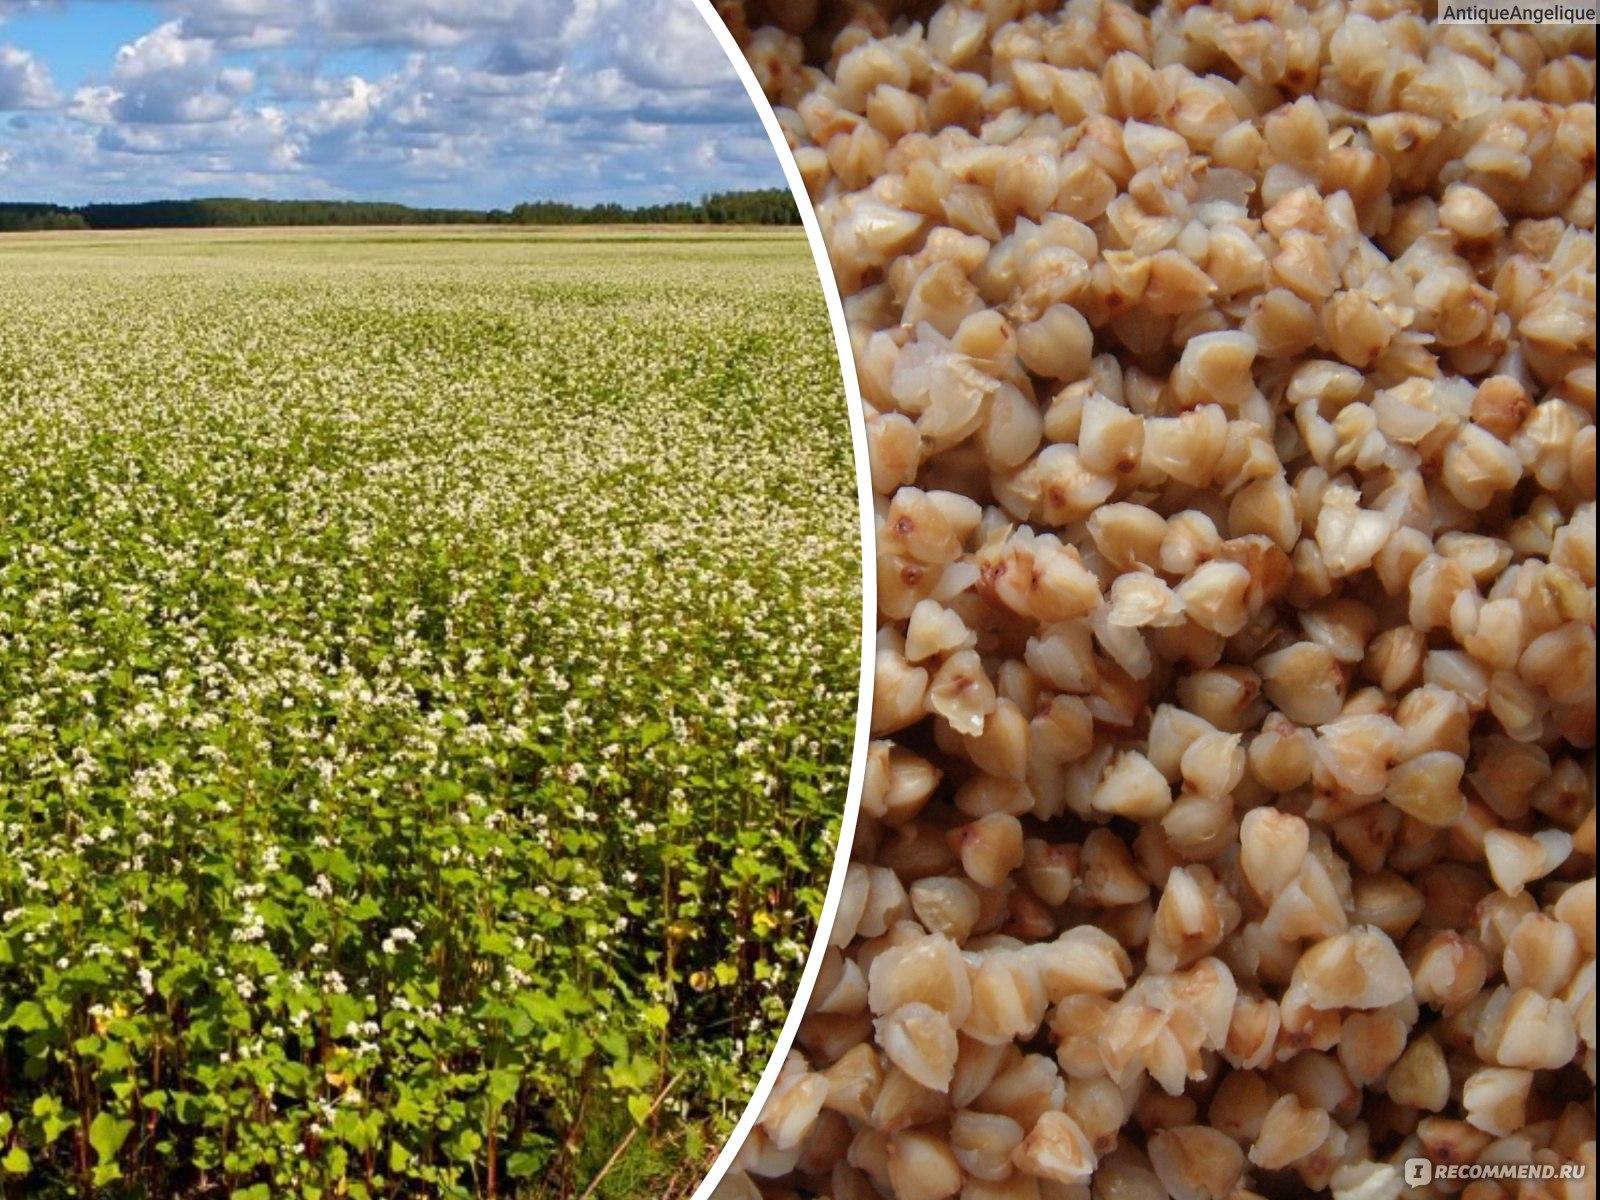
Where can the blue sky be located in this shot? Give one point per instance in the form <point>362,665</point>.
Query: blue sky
<point>471,103</point>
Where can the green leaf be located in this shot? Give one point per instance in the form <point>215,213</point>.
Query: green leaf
<point>47,1110</point>
<point>106,1173</point>
<point>28,1017</point>
<point>503,1086</point>
<point>16,1161</point>
<point>524,1163</point>
<point>365,909</point>
<point>106,1135</point>
<point>639,1108</point>
<point>189,1108</point>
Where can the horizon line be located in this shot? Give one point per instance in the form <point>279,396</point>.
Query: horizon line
<point>249,199</point>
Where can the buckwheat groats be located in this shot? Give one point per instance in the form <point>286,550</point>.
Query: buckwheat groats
<point>1230,390</point>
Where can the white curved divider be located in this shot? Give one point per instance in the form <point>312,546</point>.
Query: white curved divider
<point>869,606</point>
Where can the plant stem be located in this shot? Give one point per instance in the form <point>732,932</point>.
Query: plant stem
<point>622,1146</point>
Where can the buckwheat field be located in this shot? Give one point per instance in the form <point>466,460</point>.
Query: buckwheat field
<point>427,682</point>
<point>1229,831</point>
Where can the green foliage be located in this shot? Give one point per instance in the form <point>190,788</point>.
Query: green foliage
<point>427,679</point>
<point>769,206</point>
<point>35,218</point>
<point>766,206</point>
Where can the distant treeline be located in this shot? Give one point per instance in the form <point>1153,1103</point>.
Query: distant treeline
<point>769,206</point>
<point>28,218</point>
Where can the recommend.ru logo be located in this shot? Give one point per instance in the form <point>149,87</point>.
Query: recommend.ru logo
<point>1420,1172</point>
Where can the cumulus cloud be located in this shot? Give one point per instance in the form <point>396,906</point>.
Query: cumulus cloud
<point>664,44</point>
<point>451,102</point>
<point>236,81</point>
<point>411,24</point>
<point>24,81</point>
<point>93,105</point>
<point>167,77</point>
<point>523,55</point>
<point>240,24</point>
<point>439,23</point>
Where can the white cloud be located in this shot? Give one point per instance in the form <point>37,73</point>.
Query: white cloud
<point>664,44</point>
<point>435,23</point>
<point>236,81</point>
<point>93,104</point>
<point>240,24</point>
<point>240,143</point>
<point>450,102</point>
<point>165,51</point>
<point>168,77</point>
<point>523,55</point>
<point>352,106</point>
<point>24,81</point>
<point>415,24</point>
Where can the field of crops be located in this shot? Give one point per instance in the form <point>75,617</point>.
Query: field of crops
<point>427,677</point>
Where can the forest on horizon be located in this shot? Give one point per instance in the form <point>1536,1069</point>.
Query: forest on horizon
<point>766,206</point>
